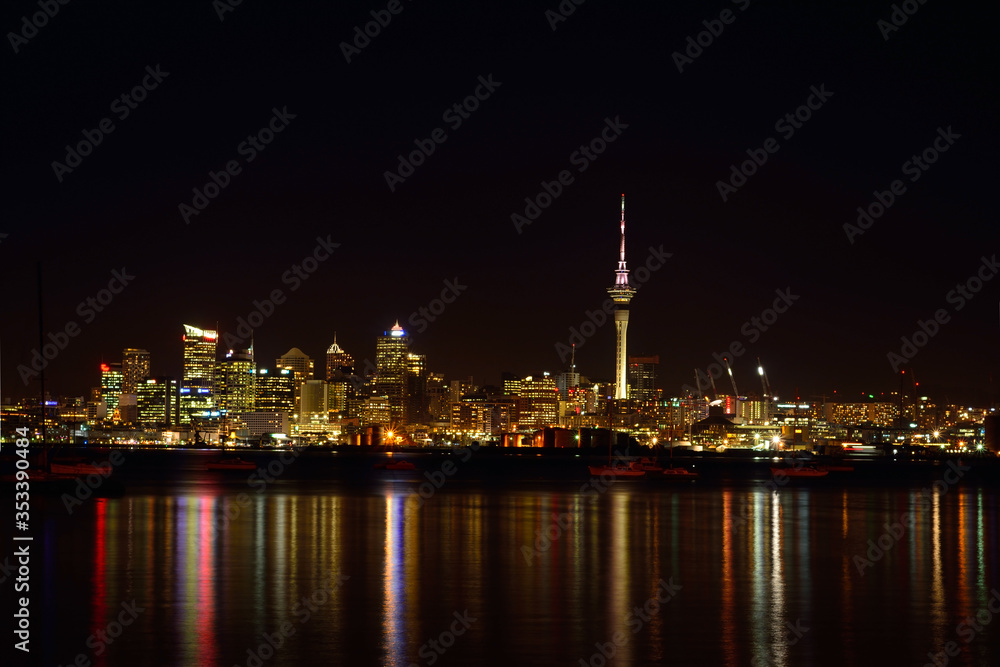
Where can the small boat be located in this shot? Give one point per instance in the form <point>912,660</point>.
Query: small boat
<point>836,468</point>
<point>649,465</point>
<point>76,468</point>
<point>402,464</point>
<point>801,471</point>
<point>632,469</point>
<point>679,474</point>
<point>232,464</point>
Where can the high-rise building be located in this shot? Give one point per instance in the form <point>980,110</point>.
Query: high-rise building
<point>235,382</point>
<point>391,350</point>
<point>642,377</point>
<point>415,406</point>
<point>313,407</point>
<point>538,402</point>
<point>621,293</point>
<point>196,392</point>
<point>157,401</point>
<point>135,368</point>
<point>300,364</point>
<point>112,381</point>
<point>275,391</point>
<point>338,362</point>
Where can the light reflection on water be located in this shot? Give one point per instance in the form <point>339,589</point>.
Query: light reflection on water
<point>752,564</point>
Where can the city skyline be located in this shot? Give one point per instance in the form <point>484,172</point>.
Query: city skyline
<point>745,170</point>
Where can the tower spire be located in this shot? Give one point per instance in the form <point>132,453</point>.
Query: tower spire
<point>621,293</point>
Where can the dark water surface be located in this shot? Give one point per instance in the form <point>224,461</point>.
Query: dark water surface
<point>534,574</point>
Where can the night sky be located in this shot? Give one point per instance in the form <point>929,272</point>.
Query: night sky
<point>553,91</point>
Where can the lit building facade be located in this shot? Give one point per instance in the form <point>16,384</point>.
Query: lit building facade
<point>157,401</point>
<point>642,378</point>
<point>275,391</point>
<point>196,392</point>
<point>538,402</point>
<point>391,354</point>
<point>112,382</point>
<point>135,369</point>
<point>236,382</point>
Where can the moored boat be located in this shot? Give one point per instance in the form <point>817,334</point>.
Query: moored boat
<point>679,474</point>
<point>800,471</point>
<point>232,464</point>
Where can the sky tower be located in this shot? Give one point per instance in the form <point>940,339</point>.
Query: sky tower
<point>621,293</point>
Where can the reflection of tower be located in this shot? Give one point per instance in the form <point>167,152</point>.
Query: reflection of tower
<point>621,293</point>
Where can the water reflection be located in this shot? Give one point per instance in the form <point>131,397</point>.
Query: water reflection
<point>751,562</point>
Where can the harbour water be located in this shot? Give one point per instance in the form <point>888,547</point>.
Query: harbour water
<point>213,571</point>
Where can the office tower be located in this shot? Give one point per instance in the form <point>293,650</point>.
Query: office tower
<point>300,364</point>
<point>511,384</point>
<point>621,293</point>
<point>112,381</point>
<point>437,397</point>
<point>538,402</point>
<point>157,401</point>
<point>642,377</point>
<point>135,367</point>
<point>196,392</point>
<point>391,349</point>
<point>235,382</point>
<point>338,362</point>
<point>313,406</point>
<point>416,408</point>
<point>339,369</point>
<point>275,391</point>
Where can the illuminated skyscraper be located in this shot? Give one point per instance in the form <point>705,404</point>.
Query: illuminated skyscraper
<point>642,377</point>
<point>275,391</point>
<point>338,361</point>
<point>135,367</point>
<point>621,293</point>
<point>157,400</point>
<point>235,382</point>
<point>300,364</point>
<point>112,381</point>
<point>197,399</point>
<point>538,402</point>
<point>416,409</point>
<point>391,350</point>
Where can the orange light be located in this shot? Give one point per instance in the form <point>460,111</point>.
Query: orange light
<point>105,368</point>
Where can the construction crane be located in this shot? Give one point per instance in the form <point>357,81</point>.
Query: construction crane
<point>764,385</point>
<point>736,392</point>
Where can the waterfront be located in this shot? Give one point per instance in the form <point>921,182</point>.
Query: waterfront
<point>537,573</point>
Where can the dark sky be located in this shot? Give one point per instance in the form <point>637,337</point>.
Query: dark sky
<point>323,176</point>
